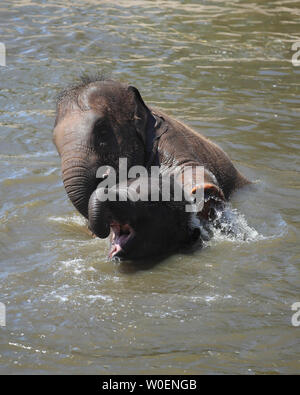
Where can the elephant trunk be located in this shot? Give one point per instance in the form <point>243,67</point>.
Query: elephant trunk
<point>79,180</point>
<point>98,214</point>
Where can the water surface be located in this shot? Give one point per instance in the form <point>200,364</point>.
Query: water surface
<point>224,67</point>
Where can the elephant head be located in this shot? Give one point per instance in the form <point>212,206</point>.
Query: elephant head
<point>98,122</point>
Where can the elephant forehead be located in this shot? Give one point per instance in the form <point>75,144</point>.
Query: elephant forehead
<point>106,99</point>
<point>78,120</point>
<point>93,97</point>
<point>74,121</point>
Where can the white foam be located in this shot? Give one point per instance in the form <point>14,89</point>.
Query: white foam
<point>210,298</point>
<point>101,297</point>
<point>76,266</point>
<point>231,225</point>
<point>70,219</point>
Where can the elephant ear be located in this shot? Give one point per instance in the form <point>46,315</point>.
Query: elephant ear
<point>142,114</point>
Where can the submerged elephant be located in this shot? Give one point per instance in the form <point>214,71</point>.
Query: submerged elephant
<point>100,121</point>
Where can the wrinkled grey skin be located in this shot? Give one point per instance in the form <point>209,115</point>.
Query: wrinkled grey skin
<point>99,122</point>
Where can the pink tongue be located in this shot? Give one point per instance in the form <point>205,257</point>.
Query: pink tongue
<point>120,240</point>
<point>118,244</point>
<point>116,248</point>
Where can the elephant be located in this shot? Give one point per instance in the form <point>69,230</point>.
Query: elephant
<point>102,120</point>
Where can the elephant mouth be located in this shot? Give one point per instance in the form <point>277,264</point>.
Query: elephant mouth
<point>121,237</point>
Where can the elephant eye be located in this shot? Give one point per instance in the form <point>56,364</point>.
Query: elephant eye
<point>101,128</point>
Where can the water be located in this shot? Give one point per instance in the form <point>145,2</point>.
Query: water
<point>225,69</point>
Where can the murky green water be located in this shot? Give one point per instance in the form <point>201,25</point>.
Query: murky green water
<point>225,68</point>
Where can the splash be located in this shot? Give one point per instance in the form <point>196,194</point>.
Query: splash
<point>230,225</point>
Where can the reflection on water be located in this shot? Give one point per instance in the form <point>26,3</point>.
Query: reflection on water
<point>224,68</point>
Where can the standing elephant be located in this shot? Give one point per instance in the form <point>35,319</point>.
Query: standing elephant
<point>100,121</point>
